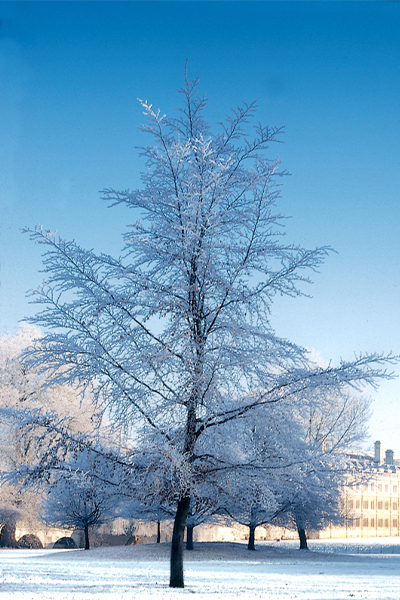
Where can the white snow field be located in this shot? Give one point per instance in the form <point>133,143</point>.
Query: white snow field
<point>212,570</point>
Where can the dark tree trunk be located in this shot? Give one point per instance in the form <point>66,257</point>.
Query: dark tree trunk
<point>158,532</point>
<point>303,539</point>
<point>189,537</point>
<point>251,545</point>
<point>176,575</point>
<point>7,536</point>
<point>86,530</point>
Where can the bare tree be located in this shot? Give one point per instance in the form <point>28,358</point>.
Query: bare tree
<point>176,331</point>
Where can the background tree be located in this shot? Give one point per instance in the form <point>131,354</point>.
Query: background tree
<point>250,502</point>
<point>176,331</point>
<point>333,424</point>
<point>262,449</point>
<point>22,388</point>
<point>309,496</point>
<point>82,494</point>
<point>203,509</point>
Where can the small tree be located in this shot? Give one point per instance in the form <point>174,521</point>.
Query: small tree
<point>332,424</point>
<point>177,330</point>
<point>203,509</point>
<point>309,496</point>
<point>250,502</point>
<point>82,494</point>
<point>268,445</point>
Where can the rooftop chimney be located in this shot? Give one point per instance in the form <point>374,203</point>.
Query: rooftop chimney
<point>378,453</point>
<point>389,457</point>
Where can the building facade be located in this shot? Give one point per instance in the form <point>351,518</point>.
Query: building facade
<point>371,499</point>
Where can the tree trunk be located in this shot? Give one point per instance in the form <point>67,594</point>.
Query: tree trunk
<point>176,574</point>
<point>251,545</point>
<point>7,536</point>
<point>189,537</point>
<point>158,532</point>
<point>303,539</point>
<point>86,530</point>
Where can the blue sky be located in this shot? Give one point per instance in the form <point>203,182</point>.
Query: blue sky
<point>329,72</point>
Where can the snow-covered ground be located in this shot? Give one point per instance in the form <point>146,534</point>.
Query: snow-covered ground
<point>213,570</point>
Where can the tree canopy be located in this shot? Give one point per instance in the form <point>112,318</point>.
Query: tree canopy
<point>175,335</point>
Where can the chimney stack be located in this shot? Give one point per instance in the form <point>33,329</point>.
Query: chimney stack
<point>378,452</point>
<point>389,457</point>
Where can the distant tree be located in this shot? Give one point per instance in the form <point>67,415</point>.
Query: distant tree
<point>81,477</point>
<point>333,424</point>
<point>268,444</point>
<point>176,332</point>
<point>203,509</point>
<point>82,494</point>
<point>253,504</point>
<point>309,497</point>
<point>24,388</point>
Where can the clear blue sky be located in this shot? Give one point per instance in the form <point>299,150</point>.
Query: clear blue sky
<point>70,73</point>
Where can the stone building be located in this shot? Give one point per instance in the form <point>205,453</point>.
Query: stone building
<point>371,500</point>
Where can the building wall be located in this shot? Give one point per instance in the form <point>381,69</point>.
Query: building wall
<point>371,504</point>
<point>116,533</point>
<point>47,535</point>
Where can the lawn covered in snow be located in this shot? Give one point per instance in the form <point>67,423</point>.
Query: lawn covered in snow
<point>212,570</point>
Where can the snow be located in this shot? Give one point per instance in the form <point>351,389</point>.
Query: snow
<point>212,570</point>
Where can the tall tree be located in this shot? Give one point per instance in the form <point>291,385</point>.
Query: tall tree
<point>176,331</point>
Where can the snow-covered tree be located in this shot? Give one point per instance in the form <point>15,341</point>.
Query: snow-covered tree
<point>203,509</point>
<point>82,478</point>
<point>309,495</point>
<point>258,453</point>
<point>250,501</point>
<point>24,388</point>
<point>333,423</point>
<point>176,331</point>
<point>84,493</point>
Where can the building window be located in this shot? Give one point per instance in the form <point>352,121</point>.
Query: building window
<point>350,504</point>
<point>386,522</point>
<point>395,489</point>
<point>394,505</point>
<point>380,522</point>
<point>372,504</point>
<point>379,486</point>
<point>372,522</point>
<point>372,487</point>
<point>365,504</point>
<point>386,488</point>
<point>357,504</point>
<point>394,522</point>
<point>356,522</point>
<point>380,505</point>
<point>365,522</point>
<point>386,505</point>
